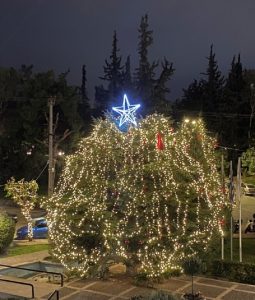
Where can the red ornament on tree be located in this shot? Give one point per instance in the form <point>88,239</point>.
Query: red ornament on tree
<point>216,145</point>
<point>160,144</point>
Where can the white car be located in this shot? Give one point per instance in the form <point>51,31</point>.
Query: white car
<point>248,189</point>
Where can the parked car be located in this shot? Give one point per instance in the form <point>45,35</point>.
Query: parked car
<point>248,189</point>
<point>40,230</point>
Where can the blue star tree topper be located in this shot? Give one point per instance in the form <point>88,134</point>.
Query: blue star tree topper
<point>127,112</point>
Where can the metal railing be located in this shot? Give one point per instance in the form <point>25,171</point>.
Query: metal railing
<point>38,271</point>
<point>23,283</point>
<point>55,293</point>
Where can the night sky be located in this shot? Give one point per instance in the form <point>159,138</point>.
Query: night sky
<point>62,34</point>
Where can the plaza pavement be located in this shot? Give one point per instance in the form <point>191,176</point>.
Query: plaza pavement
<point>117,287</point>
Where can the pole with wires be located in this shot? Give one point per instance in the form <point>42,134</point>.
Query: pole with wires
<point>51,168</point>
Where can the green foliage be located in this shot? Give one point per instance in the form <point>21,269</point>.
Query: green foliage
<point>105,207</point>
<point>157,295</point>
<point>24,193</point>
<point>196,296</point>
<point>23,108</point>
<point>113,75</point>
<point>248,161</point>
<point>146,86</point>
<point>221,102</point>
<point>142,279</point>
<point>7,230</point>
<point>192,266</point>
<point>24,249</point>
<point>234,271</point>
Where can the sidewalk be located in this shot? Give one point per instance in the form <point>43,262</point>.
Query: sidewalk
<point>117,288</point>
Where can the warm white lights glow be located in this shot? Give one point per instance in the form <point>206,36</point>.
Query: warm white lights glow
<point>120,197</point>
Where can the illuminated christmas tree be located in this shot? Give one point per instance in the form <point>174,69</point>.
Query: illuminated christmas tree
<point>147,197</point>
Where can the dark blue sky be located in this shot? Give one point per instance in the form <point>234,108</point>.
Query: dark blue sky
<point>62,34</point>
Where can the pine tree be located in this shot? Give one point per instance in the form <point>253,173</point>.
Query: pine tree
<point>235,102</point>
<point>160,103</point>
<point>127,78</point>
<point>113,75</point>
<point>205,97</point>
<point>193,97</point>
<point>83,106</point>
<point>113,70</point>
<point>213,85</point>
<point>148,198</point>
<point>145,73</point>
<point>102,100</point>
<point>84,95</point>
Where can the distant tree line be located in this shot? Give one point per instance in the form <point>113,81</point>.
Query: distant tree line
<point>225,103</point>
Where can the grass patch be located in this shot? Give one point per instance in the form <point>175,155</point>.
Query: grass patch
<point>248,246</point>
<point>249,179</point>
<point>25,249</point>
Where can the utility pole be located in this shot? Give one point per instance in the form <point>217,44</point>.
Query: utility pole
<point>51,168</point>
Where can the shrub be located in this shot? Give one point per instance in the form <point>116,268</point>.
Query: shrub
<point>157,295</point>
<point>234,271</point>
<point>7,229</point>
<point>192,266</point>
<point>160,295</point>
<point>142,279</point>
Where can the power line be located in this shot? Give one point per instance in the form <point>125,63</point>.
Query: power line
<point>230,148</point>
<point>42,171</point>
<point>1,185</point>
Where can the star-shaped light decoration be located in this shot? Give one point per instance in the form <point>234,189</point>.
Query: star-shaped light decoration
<point>127,112</point>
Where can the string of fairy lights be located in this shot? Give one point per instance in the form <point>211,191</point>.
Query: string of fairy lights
<point>120,197</point>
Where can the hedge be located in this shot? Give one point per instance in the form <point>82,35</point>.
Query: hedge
<point>7,230</point>
<point>234,271</point>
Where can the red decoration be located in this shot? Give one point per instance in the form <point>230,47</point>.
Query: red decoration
<point>222,222</point>
<point>160,144</point>
<point>216,145</point>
